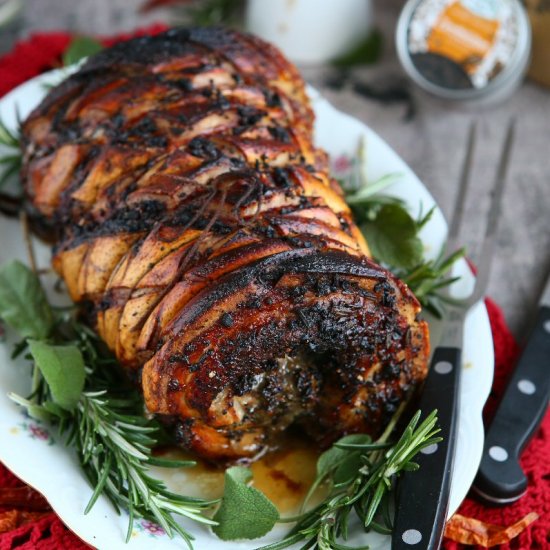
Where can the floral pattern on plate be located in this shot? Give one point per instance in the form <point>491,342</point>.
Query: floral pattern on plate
<point>35,430</point>
<point>151,528</point>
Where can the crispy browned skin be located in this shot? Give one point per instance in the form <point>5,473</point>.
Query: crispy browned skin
<point>193,212</point>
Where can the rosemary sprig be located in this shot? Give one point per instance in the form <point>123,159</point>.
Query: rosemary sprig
<point>114,443</point>
<point>10,154</point>
<point>360,474</point>
<point>7,137</point>
<point>76,386</point>
<point>429,279</point>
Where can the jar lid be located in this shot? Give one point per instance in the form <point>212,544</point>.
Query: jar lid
<point>464,49</point>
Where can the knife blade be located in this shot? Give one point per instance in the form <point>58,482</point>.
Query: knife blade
<point>500,479</point>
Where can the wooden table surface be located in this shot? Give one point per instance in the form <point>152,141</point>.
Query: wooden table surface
<point>432,143</point>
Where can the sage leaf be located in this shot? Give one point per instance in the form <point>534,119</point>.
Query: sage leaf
<point>393,237</point>
<point>245,512</point>
<point>79,48</point>
<point>63,370</point>
<point>23,303</point>
<point>54,409</point>
<point>347,469</point>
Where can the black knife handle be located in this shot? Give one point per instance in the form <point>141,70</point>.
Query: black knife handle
<point>500,478</point>
<point>423,496</point>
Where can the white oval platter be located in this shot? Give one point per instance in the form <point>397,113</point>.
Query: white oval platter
<point>34,454</point>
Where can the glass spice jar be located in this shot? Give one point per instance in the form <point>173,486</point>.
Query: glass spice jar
<point>468,51</point>
<point>310,31</point>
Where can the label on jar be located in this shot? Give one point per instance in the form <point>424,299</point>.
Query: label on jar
<point>462,43</point>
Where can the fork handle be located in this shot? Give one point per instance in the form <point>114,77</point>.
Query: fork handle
<point>423,496</point>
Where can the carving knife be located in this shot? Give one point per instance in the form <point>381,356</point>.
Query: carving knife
<point>500,479</point>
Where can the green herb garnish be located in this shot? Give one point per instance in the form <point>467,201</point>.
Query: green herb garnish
<point>360,474</point>
<point>80,48</point>
<point>367,51</point>
<point>76,386</point>
<point>23,304</point>
<point>393,236</point>
<point>429,278</point>
<point>10,157</point>
<point>245,512</point>
<point>7,137</point>
<point>62,368</point>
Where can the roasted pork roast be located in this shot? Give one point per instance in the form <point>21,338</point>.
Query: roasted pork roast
<point>198,226</point>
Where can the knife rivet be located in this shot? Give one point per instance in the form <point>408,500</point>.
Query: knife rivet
<point>547,326</point>
<point>527,387</point>
<point>411,536</point>
<point>430,449</point>
<point>443,367</point>
<point>498,453</point>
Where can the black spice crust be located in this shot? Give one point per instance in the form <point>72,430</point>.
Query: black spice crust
<point>193,215</point>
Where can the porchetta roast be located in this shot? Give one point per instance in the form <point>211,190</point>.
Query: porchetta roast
<point>198,224</point>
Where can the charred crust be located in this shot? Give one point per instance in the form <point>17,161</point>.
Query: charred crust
<point>226,320</point>
<point>192,151</point>
<point>203,148</point>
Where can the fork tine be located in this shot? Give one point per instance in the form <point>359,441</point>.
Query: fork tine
<point>488,246</point>
<point>456,222</point>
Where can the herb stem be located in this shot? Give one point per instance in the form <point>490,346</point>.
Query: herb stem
<point>24,220</point>
<point>364,489</point>
<point>394,420</point>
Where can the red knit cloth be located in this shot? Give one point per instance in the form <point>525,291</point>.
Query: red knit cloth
<point>42,52</point>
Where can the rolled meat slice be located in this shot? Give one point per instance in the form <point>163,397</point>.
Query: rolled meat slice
<point>197,223</point>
